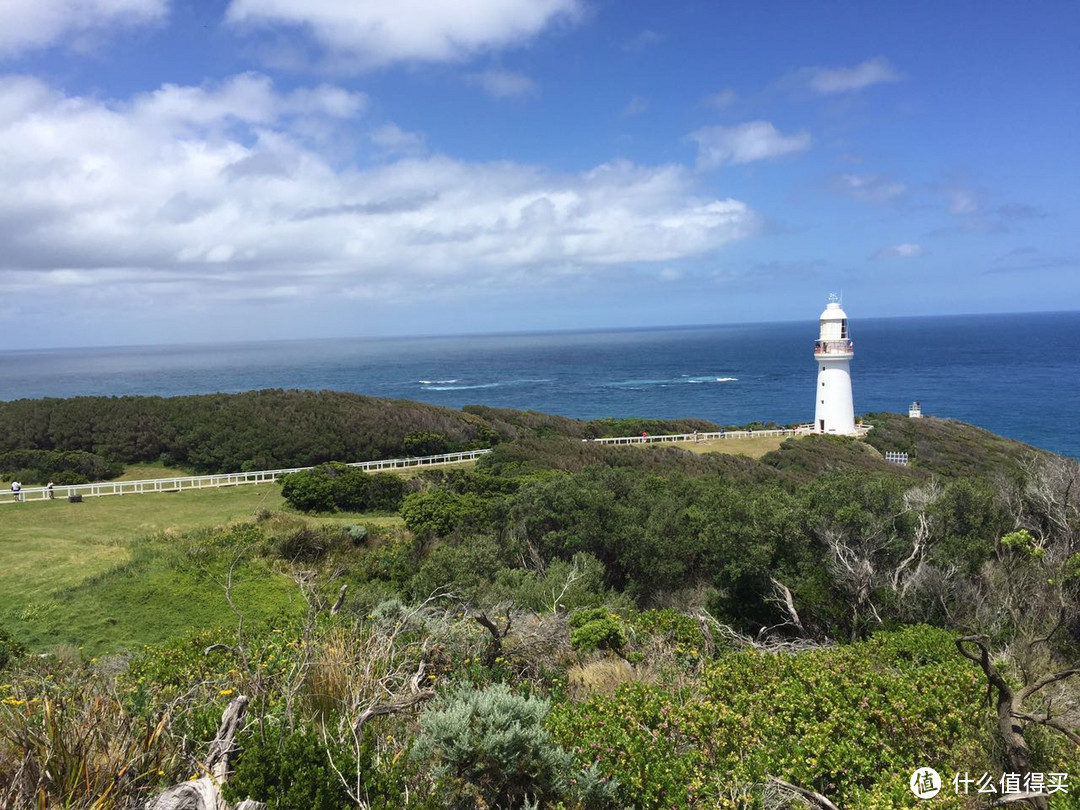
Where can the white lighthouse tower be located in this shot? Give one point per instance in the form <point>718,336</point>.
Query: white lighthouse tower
<point>835,411</point>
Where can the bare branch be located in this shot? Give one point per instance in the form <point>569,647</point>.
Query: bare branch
<point>1045,681</point>
<point>810,795</point>
<point>419,695</point>
<point>340,600</point>
<point>1050,722</point>
<point>782,596</point>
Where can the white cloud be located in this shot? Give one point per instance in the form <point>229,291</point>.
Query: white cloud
<point>249,98</point>
<point>393,140</point>
<point>374,33</point>
<point>217,193</point>
<point>744,143</point>
<point>907,250</point>
<point>871,188</point>
<point>975,211</point>
<point>504,84</point>
<point>29,24</point>
<point>830,81</point>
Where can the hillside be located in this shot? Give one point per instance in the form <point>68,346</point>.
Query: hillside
<point>566,625</point>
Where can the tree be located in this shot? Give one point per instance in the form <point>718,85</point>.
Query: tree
<point>1013,716</point>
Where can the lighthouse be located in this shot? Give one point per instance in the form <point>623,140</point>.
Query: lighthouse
<point>835,410</point>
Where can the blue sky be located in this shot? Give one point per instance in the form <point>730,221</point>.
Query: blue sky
<point>199,170</point>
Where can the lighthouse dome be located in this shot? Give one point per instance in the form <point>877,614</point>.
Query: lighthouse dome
<point>833,312</point>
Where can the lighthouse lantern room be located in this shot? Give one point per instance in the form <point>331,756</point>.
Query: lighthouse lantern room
<point>835,410</point>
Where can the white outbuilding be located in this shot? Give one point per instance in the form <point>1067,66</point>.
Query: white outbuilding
<point>835,410</point>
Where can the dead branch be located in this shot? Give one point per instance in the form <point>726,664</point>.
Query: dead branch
<point>1050,722</point>
<point>223,745</point>
<point>1008,706</point>
<point>340,600</point>
<point>1016,797</point>
<point>782,596</point>
<point>810,795</point>
<point>377,710</point>
<point>706,634</point>
<point>495,648</point>
<point>574,575</point>
<point>205,793</point>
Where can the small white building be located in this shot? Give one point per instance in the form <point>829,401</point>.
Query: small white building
<point>915,411</point>
<point>835,409</point>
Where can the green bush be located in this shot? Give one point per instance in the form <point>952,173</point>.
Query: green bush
<point>309,490</point>
<point>489,748</point>
<point>10,649</point>
<point>299,771</point>
<point>424,443</point>
<point>850,722</point>
<point>439,512</point>
<point>597,629</point>
<point>308,543</point>
<point>358,534</point>
<point>466,569</point>
<point>335,486</point>
<point>59,466</point>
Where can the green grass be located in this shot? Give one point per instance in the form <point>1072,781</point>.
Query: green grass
<point>753,447</point>
<point>117,572</point>
<point>145,472</point>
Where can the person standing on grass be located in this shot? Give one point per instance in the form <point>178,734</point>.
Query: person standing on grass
<point>16,490</point>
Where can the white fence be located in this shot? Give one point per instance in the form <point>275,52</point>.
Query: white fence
<point>801,430</point>
<point>224,480</point>
<point>269,476</point>
<point>897,458</point>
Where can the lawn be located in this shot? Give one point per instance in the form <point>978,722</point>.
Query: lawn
<point>754,447</point>
<point>115,572</point>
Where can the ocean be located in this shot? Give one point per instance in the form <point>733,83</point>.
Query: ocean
<point>1016,375</point>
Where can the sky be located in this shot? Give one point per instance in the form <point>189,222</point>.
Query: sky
<point>211,170</point>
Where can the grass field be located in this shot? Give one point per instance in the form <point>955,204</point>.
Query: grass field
<point>145,472</point>
<point>754,447</point>
<point>116,572</point>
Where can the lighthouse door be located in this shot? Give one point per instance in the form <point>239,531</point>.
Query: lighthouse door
<point>822,423</point>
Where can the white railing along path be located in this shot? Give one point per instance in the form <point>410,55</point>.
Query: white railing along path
<point>182,483</point>
<point>648,438</point>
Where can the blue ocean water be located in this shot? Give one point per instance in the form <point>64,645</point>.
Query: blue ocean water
<point>1016,375</point>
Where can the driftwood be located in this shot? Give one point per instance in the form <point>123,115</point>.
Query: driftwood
<point>205,793</point>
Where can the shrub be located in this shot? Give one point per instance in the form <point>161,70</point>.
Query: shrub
<point>10,649</point>
<point>308,491</point>
<point>298,770</point>
<point>849,722</point>
<point>439,512</point>
<point>597,629</point>
<point>69,742</point>
<point>308,543</point>
<point>333,486</point>
<point>489,748</point>
<point>358,534</point>
<point>423,443</point>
